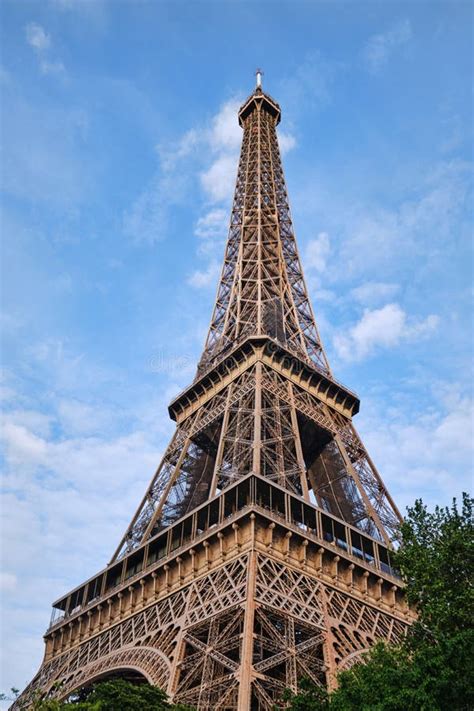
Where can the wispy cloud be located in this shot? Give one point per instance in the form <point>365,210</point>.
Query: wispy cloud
<point>219,179</point>
<point>94,11</point>
<point>440,196</point>
<point>55,67</point>
<point>211,224</point>
<point>146,221</point>
<point>205,156</point>
<point>372,292</point>
<point>171,154</point>
<point>37,37</point>
<point>204,278</point>
<point>8,582</point>
<point>317,252</point>
<point>369,235</point>
<point>223,139</point>
<point>40,41</point>
<point>428,452</point>
<point>286,141</point>
<point>310,83</point>
<point>211,229</point>
<point>380,328</point>
<point>45,159</point>
<point>225,132</point>
<point>65,446</point>
<point>380,47</point>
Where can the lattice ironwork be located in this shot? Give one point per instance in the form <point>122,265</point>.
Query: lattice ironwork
<point>234,634</point>
<point>192,641</point>
<point>261,421</point>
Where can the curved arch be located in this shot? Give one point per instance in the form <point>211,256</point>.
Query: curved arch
<point>151,663</point>
<point>352,658</point>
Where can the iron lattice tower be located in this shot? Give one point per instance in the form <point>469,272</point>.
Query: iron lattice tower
<point>261,551</point>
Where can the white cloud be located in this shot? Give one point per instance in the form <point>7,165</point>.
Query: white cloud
<point>308,84</point>
<point>40,41</point>
<point>380,46</point>
<point>286,142</point>
<point>62,457</point>
<point>374,238</point>
<point>171,155</point>
<point>219,180</point>
<point>223,139</point>
<point>8,581</point>
<point>5,77</point>
<point>78,417</point>
<point>428,453</point>
<point>372,292</point>
<point>37,422</point>
<point>213,224</point>
<point>55,67</point>
<point>421,329</point>
<point>317,252</point>
<point>324,295</point>
<point>45,158</point>
<point>63,283</point>
<point>147,220</point>
<point>215,146</point>
<point>23,447</point>
<point>381,328</point>
<point>52,360</point>
<point>202,279</point>
<point>95,12</point>
<point>226,133</point>
<point>37,37</point>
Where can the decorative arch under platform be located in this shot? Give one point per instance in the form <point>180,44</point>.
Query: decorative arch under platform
<point>152,664</point>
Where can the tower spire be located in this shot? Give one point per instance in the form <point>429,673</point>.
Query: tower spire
<point>259,74</point>
<point>262,288</point>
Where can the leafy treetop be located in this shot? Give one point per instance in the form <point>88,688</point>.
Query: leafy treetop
<point>432,669</point>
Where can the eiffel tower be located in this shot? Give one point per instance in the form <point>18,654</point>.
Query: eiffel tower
<point>261,551</point>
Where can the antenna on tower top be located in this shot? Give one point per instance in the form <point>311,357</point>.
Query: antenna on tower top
<point>259,74</point>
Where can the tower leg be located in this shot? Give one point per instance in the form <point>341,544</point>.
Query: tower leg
<point>246,663</point>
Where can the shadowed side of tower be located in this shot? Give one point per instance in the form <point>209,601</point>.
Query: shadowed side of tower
<point>260,552</point>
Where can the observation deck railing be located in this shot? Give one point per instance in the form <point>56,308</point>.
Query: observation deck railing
<point>251,493</point>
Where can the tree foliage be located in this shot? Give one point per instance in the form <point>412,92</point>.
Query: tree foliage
<point>432,670</point>
<point>111,695</point>
<point>120,694</point>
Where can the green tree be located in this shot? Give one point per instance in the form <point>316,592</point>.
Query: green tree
<point>436,561</point>
<point>432,670</point>
<point>120,694</point>
<point>309,697</point>
<point>110,695</point>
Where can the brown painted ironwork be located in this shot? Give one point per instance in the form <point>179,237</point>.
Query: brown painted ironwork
<point>260,552</point>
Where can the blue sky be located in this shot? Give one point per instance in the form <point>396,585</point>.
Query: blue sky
<point>120,148</point>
